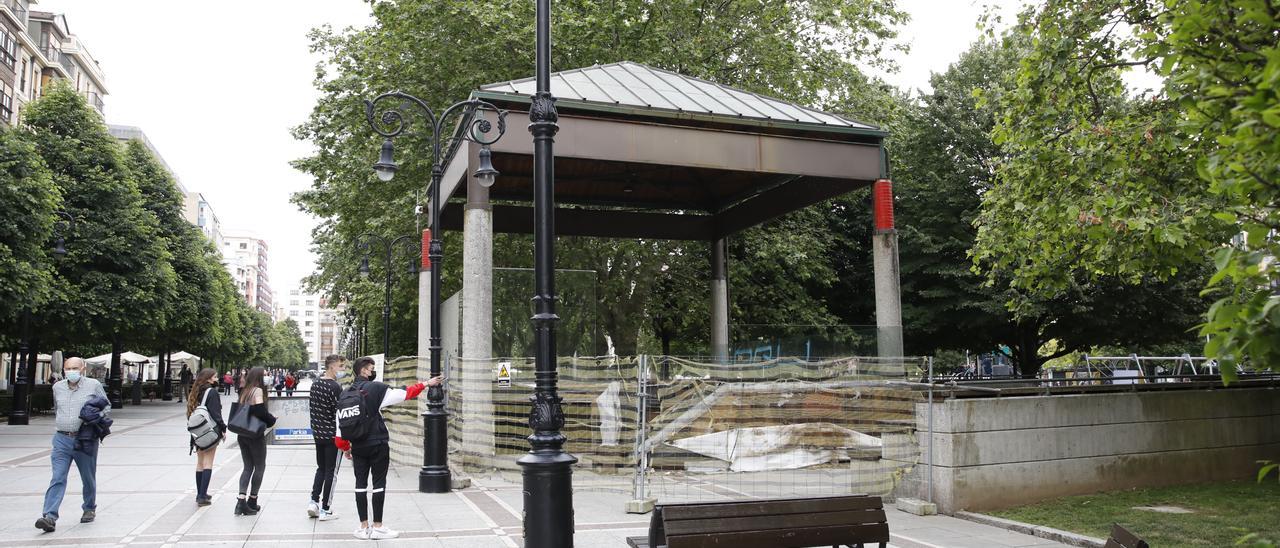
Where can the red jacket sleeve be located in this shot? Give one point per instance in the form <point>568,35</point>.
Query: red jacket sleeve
<point>411,392</point>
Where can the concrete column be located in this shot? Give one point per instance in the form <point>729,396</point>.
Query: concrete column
<point>884,254</point>
<point>477,379</point>
<point>719,300</point>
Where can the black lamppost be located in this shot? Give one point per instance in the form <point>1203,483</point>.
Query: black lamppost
<point>409,242</point>
<point>473,127</point>
<point>25,364</point>
<point>547,468</point>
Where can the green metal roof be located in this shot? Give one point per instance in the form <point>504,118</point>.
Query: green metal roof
<point>633,87</point>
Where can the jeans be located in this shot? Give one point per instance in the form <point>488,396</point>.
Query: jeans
<point>326,460</point>
<point>64,451</point>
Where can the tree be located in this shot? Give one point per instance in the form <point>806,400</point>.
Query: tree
<point>116,276</point>
<point>28,200</point>
<point>946,159</point>
<point>765,46</point>
<point>292,348</point>
<point>1099,183</point>
<point>190,312</point>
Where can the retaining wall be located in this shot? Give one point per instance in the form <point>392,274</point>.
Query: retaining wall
<point>992,453</point>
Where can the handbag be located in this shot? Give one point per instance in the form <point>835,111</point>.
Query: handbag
<point>244,423</point>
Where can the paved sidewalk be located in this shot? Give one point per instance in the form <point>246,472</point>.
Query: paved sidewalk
<point>146,499</point>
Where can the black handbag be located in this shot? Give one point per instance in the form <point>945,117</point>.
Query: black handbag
<point>245,424</point>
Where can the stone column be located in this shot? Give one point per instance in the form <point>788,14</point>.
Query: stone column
<point>884,253</point>
<point>720,300</point>
<point>424,314</point>
<point>477,381</point>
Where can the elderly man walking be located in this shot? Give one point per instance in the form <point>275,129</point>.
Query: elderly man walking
<point>70,396</point>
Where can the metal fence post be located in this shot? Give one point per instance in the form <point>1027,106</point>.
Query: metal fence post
<point>639,503</point>
<point>931,429</point>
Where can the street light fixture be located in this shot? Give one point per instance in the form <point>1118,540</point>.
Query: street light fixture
<point>25,361</point>
<point>473,127</point>
<point>364,243</point>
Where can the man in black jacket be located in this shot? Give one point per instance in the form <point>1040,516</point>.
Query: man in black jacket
<point>324,403</point>
<point>371,455</point>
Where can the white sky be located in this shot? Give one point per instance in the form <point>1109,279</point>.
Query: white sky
<point>217,86</point>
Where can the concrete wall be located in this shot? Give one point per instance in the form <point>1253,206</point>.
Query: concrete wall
<point>994,453</point>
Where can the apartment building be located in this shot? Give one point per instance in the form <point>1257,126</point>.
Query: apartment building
<point>36,48</point>
<point>196,208</point>
<point>316,319</point>
<point>246,258</point>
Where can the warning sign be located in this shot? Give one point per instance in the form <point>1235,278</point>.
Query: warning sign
<point>504,374</point>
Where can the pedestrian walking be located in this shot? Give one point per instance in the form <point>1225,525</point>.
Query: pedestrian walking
<point>70,397</point>
<point>253,445</point>
<point>289,383</point>
<point>227,380</point>
<point>233,382</point>
<point>367,442</point>
<point>278,384</point>
<point>204,396</point>
<point>324,403</point>
<point>185,382</point>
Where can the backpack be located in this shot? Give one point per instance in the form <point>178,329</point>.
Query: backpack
<point>355,419</point>
<point>203,429</point>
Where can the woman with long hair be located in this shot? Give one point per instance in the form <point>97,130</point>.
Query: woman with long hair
<point>253,450</point>
<point>204,391</point>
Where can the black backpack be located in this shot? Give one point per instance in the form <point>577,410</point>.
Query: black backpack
<point>355,419</point>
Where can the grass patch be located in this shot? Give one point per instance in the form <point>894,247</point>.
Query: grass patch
<point>1223,513</point>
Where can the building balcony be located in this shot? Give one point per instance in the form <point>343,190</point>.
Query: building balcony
<point>19,12</point>
<point>95,101</point>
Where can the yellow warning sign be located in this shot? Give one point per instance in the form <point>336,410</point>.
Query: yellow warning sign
<point>504,374</point>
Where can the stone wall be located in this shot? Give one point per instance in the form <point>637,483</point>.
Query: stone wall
<point>992,453</point>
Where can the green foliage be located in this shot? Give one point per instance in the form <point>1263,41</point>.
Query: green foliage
<point>116,276</point>
<point>1097,183</point>
<point>440,50</point>
<point>290,350</point>
<point>28,200</point>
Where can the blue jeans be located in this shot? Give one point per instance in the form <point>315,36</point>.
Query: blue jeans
<point>64,451</point>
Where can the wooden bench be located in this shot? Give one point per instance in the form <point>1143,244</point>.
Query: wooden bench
<point>852,520</point>
<point>1122,538</point>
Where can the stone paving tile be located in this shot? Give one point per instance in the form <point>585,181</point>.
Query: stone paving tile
<point>146,499</point>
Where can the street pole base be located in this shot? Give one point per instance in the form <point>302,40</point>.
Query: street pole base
<point>432,479</point>
<point>548,499</point>
<point>16,419</point>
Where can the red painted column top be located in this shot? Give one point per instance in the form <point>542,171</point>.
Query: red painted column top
<point>882,201</point>
<point>426,244</point>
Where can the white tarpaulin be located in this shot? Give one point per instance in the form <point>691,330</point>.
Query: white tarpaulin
<point>779,447</point>
<point>125,357</point>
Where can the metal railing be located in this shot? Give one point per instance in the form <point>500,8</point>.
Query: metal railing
<point>95,100</point>
<point>18,11</point>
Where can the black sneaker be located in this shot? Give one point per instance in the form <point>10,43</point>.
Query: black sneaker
<point>47,523</point>
<point>87,516</point>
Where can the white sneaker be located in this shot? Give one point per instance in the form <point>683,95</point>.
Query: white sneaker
<point>362,534</point>
<point>327,516</point>
<point>382,533</point>
<point>313,509</point>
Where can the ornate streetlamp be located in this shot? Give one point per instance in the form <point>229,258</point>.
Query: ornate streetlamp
<point>473,127</point>
<point>409,243</point>
<point>547,468</point>
<point>25,362</point>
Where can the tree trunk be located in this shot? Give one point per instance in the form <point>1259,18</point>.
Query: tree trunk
<point>115,384</point>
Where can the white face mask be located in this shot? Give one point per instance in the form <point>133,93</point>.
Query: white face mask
<point>341,375</point>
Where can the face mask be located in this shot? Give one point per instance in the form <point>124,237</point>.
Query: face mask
<point>73,376</point>
<point>341,375</point>
<point>372,375</point>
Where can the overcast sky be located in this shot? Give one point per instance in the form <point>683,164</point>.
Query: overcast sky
<point>217,86</point>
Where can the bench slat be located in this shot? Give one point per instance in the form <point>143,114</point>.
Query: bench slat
<point>766,508</point>
<point>817,536</point>
<point>638,542</point>
<point>762,523</point>
<point>1124,538</point>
